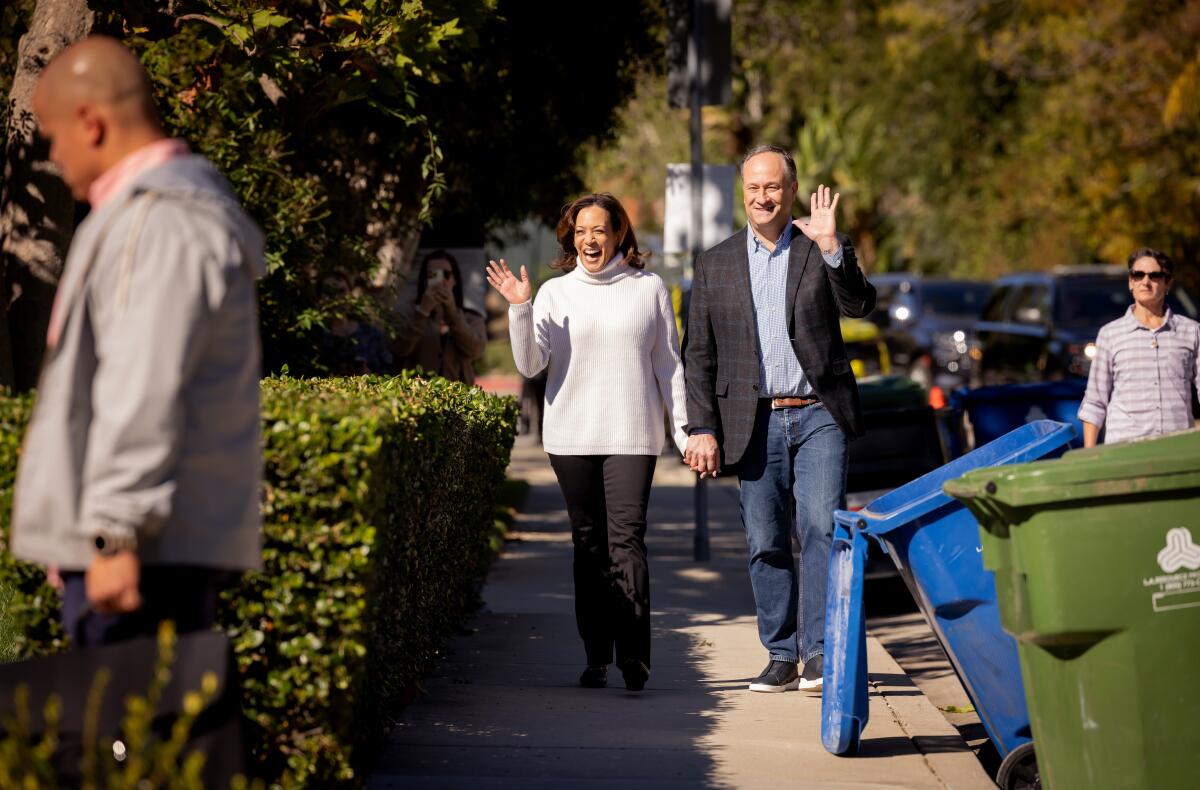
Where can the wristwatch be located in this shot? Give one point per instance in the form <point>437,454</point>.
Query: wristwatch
<point>110,543</point>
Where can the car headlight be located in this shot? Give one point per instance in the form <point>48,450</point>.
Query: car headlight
<point>1079,358</point>
<point>949,346</point>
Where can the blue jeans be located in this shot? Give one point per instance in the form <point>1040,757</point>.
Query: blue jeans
<point>793,476</point>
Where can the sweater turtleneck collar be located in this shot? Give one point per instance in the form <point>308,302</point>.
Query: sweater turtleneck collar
<point>614,270</point>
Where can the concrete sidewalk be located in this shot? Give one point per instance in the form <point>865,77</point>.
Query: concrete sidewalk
<point>504,709</point>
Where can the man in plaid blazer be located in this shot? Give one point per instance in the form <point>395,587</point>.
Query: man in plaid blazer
<point>771,394</point>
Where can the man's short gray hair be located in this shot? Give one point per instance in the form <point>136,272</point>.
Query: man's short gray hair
<point>788,162</point>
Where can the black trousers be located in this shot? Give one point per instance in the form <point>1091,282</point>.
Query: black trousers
<point>607,496</point>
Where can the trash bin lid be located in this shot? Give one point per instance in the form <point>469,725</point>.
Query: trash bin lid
<point>1062,389</point>
<point>922,496</point>
<point>1146,466</point>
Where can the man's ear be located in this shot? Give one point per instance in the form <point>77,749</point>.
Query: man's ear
<point>92,123</point>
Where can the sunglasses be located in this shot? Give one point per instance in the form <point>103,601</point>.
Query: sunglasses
<point>1137,275</point>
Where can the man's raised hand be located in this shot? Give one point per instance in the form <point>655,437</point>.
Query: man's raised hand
<point>516,291</point>
<point>821,226</point>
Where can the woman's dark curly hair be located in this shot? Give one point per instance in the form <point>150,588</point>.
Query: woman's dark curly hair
<point>622,229</point>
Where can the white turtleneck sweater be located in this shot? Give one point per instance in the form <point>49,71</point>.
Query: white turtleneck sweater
<point>610,340</point>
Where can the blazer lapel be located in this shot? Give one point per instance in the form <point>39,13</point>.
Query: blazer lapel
<point>797,262</point>
<point>744,292</point>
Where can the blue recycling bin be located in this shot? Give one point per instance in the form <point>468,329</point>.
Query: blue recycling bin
<point>935,544</point>
<point>994,411</point>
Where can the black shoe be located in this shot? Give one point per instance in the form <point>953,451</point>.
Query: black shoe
<point>778,676</point>
<point>636,674</point>
<point>594,677</point>
<point>811,678</point>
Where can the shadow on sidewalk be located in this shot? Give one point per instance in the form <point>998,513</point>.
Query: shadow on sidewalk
<point>504,707</point>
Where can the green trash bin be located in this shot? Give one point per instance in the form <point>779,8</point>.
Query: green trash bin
<point>1097,562</point>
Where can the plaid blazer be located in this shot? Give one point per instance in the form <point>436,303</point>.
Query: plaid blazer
<point>720,347</point>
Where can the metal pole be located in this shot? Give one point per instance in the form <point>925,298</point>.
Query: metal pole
<point>700,543</point>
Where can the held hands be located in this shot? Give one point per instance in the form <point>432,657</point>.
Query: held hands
<point>516,291</point>
<point>703,454</point>
<point>821,225</point>
<point>112,583</point>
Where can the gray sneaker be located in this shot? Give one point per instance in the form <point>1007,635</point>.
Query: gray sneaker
<point>812,676</point>
<point>778,676</point>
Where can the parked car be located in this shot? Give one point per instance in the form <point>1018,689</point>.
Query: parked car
<point>1039,326</point>
<point>867,352</point>
<point>927,324</point>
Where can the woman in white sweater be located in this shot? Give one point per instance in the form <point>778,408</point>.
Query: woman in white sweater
<point>607,332</point>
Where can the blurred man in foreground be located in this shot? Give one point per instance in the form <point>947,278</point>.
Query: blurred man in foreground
<point>140,474</point>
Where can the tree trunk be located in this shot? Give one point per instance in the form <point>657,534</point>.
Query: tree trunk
<point>396,253</point>
<point>37,212</point>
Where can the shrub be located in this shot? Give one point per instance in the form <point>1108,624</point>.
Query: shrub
<point>29,619</point>
<point>378,530</point>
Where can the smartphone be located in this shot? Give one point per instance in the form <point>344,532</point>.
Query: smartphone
<point>435,276</point>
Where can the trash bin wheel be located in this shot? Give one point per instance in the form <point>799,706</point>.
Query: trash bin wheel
<point>1019,771</point>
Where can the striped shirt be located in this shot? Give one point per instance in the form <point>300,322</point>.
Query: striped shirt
<point>1142,379</point>
<point>779,372</point>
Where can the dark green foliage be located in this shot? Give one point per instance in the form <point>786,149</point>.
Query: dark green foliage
<point>379,524</point>
<point>512,118</point>
<point>29,621</point>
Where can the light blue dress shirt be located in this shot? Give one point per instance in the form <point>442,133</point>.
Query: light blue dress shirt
<point>779,372</point>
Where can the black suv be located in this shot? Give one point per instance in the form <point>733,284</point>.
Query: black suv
<point>927,324</point>
<point>1041,326</point>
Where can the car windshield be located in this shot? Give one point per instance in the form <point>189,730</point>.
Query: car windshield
<point>1095,301</point>
<point>955,299</point>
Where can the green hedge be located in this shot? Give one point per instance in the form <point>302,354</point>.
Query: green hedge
<point>378,520</point>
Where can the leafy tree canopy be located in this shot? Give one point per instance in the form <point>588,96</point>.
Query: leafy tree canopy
<point>350,127</point>
<point>966,136</point>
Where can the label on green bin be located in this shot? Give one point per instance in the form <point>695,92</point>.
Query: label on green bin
<point>1178,587</point>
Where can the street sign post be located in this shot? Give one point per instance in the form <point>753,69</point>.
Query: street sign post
<point>707,55</point>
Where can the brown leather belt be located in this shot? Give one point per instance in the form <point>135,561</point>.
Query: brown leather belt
<point>793,403</point>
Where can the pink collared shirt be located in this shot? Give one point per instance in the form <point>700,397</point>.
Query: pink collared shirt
<point>133,165</point>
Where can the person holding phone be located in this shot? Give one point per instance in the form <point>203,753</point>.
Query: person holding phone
<point>1146,370</point>
<point>442,336</point>
<point>606,331</point>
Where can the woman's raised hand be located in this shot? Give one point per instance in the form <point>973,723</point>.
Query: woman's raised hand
<point>516,291</point>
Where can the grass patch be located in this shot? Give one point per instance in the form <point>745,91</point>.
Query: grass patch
<point>497,358</point>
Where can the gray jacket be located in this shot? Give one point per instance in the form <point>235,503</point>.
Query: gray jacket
<point>147,416</point>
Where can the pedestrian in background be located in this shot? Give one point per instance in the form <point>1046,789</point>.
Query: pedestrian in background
<point>1145,372</point>
<point>606,331</point>
<point>770,390</point>
<point>141,471</point>
<point>351,345</point>
<point>442,336</point>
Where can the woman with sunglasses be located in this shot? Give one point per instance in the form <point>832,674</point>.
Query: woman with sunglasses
<point>1145,371</point>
